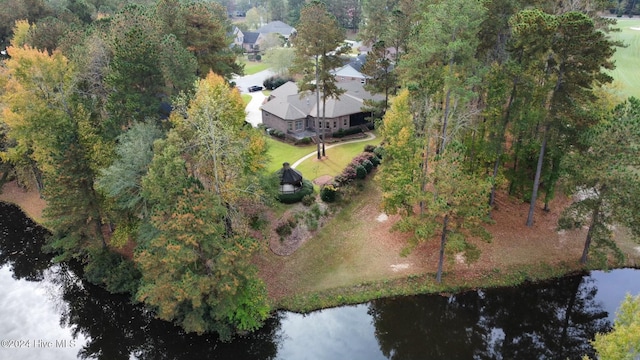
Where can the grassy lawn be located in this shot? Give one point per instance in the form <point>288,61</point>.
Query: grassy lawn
<point>281,152</point>
<point>246,98</point>
<point>626,74</point>
<point>252,67</point>
<point>337,158</point>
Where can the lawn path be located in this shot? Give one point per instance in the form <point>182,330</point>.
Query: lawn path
<point>370,136</point>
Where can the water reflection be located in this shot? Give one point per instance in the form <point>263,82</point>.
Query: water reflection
<point>553,320</point>
<point>20,243</point>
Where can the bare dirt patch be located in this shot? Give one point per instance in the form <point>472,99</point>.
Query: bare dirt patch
<point>323,180</point>
<point>29,201</point>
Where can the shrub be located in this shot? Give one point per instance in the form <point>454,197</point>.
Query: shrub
<point>375,161</point>
<point>308,200</point>
<point>303,141</point>
<point>349,172</point>
<point>368,165</point>
<point>328,193</point>
<point>307,189</point>
<point>340,180</point>
<point>258,221</point>
<point>258,57</point>
<point>277,133</point>
<point>312,224</point>
<point>316,212</point>
<point>361,172</point>
<point>379,151</point>
<point>275,82</point>
<point>369,148</point>
<point>285,227</point>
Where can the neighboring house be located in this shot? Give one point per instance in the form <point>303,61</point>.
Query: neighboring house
<point>290,113</point>
<point>251,41</point>
<point>237,36</point>
<point>277,27</point>
<point>349,73</point>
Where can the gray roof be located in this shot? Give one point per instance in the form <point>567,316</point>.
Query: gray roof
<point>277,27</point>
<point>358,61</point>
<point>251,37</point>
<point>289,175</point>
<point>349,71</point>
<point>288,105</point>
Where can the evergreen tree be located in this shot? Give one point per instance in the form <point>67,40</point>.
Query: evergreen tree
<point>602,175</point>
<point>318,47</point>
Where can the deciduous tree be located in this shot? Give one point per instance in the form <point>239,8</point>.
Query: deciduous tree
<point>195,265</point>
<point>51,128</point>
<point>623,342</point>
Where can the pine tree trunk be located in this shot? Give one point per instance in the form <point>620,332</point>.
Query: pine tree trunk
<point>318,111</point>
<point>536,180</point>
<point>503,130</point>
<point>443,241</point>
<point>594,220</point>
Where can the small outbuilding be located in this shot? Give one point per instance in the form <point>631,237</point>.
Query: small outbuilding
<point>290,179</point>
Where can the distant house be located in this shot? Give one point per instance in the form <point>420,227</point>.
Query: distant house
<point>349,73</point>
<point>251,41</point>
<point>294,115</point>
<point>277,27</point>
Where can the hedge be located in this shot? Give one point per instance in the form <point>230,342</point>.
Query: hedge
<point>291,198</point>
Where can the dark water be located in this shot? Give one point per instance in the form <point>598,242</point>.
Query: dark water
<point>46,312</point>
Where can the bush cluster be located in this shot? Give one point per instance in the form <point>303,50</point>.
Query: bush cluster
<point>275,82</point>
<point>345,132</point>
<point>359,167</point>
<point>277,133</point>
<point>303,141</point>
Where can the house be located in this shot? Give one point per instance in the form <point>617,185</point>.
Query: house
<point>251,41</point>
<point>349,73</point>
<point>277,27</point>
<point>296,114</point>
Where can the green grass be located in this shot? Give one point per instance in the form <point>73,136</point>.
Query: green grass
<point>626,75</point>
<point>246,98</point>
<point>252,67</point>
<point>337,159</point>
<point>280,152</point>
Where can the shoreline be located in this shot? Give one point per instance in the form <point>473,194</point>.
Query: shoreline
<point>456,279</point>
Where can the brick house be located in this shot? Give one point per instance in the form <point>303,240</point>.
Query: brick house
<point>295,114</point>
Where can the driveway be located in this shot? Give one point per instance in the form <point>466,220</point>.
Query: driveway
<point>254,115</point>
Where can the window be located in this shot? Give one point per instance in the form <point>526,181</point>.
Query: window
<point>326,124</point>
<point>344,121</point>
<point>290,125</point>
<point>298,124</point>
<point>335,123</point>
